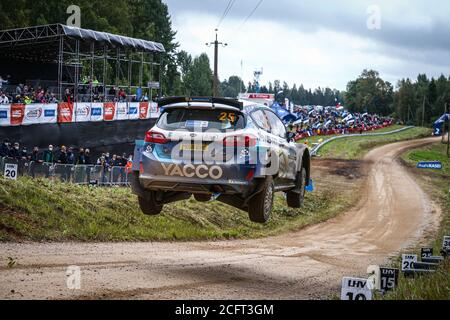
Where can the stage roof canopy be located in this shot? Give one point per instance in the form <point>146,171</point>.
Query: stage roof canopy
<point>42,43</point>
<point>115,40</point>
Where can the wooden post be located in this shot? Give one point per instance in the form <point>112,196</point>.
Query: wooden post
<point>423,112</point>
<point>448,132</point>
<point>444,126</point>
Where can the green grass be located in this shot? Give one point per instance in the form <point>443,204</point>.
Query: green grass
<point>435,286</point>
<point>318,139</point>
<point>354,148</point>
<point>41,210</point>
<point>434,152</point>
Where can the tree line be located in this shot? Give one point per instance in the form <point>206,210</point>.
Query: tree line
<point>143,19</point>
<point>414,101</point>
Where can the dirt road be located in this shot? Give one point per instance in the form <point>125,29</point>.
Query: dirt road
<point>393,213</point>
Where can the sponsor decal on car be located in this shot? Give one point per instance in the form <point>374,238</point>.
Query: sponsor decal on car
<point>191,171</point>
<point>197,124</point>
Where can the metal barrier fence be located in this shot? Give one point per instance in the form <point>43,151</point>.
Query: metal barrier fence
<point>76,174</point>
<point>316,149</point>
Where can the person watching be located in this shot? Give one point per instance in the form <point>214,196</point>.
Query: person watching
<point>36,156</point>
<point>4,148</point>
<point>4,98</point>
<point>14,152</point>
<point>62,158</point>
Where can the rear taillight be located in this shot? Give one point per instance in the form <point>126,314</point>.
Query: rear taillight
<point>240,141</point>
<point>155,137</point>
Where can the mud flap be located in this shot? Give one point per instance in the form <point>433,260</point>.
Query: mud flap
<point>310,186</point>
<point>136,186</point>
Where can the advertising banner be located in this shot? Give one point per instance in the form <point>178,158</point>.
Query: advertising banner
<point>40,114</point>
<point>17,114</point>
<point>122,111</point>
<point>97,111</point>
<point>83,112</point>
<point>154,110</point>
<point>5,115</point>
<point>109,111</point>
<point>144,112</point>
<point>133,111</point>
<point>65,112</point>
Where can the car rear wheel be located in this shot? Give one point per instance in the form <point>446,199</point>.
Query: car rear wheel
<point>261,205</point>
<point>295,198</point>
<point>202,197</point>
<point>149,206</point>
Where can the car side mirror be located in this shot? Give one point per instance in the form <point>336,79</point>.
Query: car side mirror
<point>290,136</point>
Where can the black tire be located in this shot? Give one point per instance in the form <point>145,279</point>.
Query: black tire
<point>202,197</point>
<point>261,205</point>
<point>295,199</point>
<point>149,206</point>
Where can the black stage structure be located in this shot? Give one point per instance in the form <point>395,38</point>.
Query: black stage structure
<point>58,57</point>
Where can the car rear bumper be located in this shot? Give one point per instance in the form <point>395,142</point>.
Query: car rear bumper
<point>163,184</point>
<point>195,177</point>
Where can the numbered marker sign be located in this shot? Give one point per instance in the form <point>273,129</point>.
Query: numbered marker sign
<point>11,171</point>
<point>426,253</point>
<point>446,243</point>
<point>408,261</point>
<point>388,279</point>
<point>355,289</point>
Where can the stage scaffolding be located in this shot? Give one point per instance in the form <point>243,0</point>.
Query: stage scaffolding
<point>89,63</point>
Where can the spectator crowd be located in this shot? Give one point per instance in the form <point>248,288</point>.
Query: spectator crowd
<point>90,90</point>
<point>315,121</point>
<point>65,157</point>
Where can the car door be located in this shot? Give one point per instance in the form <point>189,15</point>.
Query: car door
<point>268,144</point>
<point>286,154</point>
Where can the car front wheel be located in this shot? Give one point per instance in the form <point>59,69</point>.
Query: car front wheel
<point>296,197</point>
<point>261,205</point>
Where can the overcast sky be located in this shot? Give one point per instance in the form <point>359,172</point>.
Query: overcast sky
<point>319,42</point>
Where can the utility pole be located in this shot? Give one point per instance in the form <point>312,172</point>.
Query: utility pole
<point>216,44</point>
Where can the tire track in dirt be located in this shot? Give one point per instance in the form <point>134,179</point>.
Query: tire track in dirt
<point>392,213</point>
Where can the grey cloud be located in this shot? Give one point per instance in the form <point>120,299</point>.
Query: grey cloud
<point>348,16</point>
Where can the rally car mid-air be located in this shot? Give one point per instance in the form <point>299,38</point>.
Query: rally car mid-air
<point>239,153</point>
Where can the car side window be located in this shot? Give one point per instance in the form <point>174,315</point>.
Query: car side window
<point>277,126</point>
<point>261,120</point>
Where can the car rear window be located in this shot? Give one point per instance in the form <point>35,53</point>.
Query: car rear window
<point>201,120</point>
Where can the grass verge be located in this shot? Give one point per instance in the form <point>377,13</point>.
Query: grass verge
<point>318,139</point>
<point>39,210</point>
<point>354,148</point>
<point>435,286</point>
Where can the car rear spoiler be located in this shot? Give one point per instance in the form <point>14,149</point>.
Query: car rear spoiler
<point>200,101</point>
